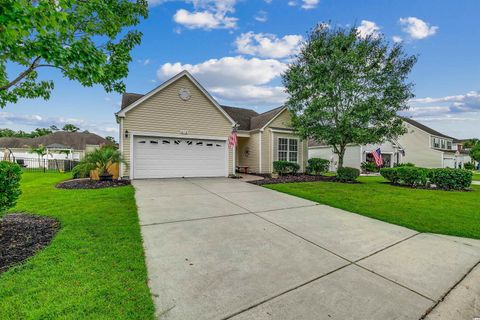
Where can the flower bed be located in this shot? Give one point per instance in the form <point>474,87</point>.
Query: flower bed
<point>91,184</point>
<point>23,235</point>
<point>293,178</point>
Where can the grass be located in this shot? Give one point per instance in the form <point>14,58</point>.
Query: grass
<point>476,176</point>
<point>446,212</point>
<point>93,269</point>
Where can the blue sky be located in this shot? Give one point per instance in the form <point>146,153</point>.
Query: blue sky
<point>238,49</point>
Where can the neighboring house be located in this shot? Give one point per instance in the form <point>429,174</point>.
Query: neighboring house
<point>421,145</point>
<point>61,145</point>
<point>179,130</point>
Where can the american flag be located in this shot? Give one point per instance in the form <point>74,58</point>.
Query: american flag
<point>377,154</point>
<point>233,139</point>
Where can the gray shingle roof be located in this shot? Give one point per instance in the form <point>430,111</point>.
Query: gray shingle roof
<point>129,98</point>
<point>261,120</point>
<point>75,140</point>
<point>241,116</point>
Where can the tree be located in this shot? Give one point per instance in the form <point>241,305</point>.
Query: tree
<point>70,128</point>
<point>40,151</point>
<point>85,40</point>
<point>471,143</point>
<point>344,88</point>
<point>110,139</point>
<point>54,128</point>
<point>38,132</point>
<point>475,152</point>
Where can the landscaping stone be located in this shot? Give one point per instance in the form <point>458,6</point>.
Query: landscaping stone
<point>91,184</point>
<point>22,235</point>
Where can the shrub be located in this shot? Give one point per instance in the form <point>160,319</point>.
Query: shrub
<point>413,176</point>
<point>100,159</point>
<point>317,166</point>
<point>406,164</point>
<point>390,174</point>
<point>451,179</point>
<point>10,175</point>
<point>369,167</point>
<point>469,166</point>
<point>285,167</point>
<point>347,174</point>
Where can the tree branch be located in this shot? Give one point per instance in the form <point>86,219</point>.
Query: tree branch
<point>22,75</point>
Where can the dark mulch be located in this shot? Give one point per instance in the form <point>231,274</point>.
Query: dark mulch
<point>23,235</point>
<point>293,178</point>
<point>91,184</point>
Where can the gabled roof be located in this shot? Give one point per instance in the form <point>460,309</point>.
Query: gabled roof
<point>265,118</point>
<point>74,140</point>
<point>425,128</point>
<point>241,116</point>
<point>137,98</point>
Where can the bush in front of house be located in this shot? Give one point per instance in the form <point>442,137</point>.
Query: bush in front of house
<point>406,164</point>
<point>347,174</point>
<point>450,179</point>
<point>390,174</point>
<point>285,167</point>
<point>369,167</point>
<point>413,176</point>
<point>317,165</point>
<point>469,166</point>
<point>10,175</point>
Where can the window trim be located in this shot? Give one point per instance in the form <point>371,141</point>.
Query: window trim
<point>288,149</point>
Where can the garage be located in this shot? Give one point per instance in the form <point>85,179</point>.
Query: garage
<point>171,157</point>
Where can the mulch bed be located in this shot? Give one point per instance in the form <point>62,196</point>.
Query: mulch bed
<point>91,184</point>
<point>293,178</point>
<point>23,235</point>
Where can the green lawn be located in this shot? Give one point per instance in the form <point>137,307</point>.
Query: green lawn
<point>476,176</point>
<point>452,213</point>
<point>94,267</point>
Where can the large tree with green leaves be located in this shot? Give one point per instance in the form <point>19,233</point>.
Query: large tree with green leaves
<point>475,152</point>
<point>85,39</point>
<point>344,88</point>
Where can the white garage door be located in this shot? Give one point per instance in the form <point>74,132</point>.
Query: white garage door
<point>156,157</point>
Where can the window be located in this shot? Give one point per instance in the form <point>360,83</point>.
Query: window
<point>166,141</point>
<point>449,145</point>
<point>436,143</point>
<point>288,149</point>
<point>443,144</point>
<point>142,142</point>
<point>153,142</point>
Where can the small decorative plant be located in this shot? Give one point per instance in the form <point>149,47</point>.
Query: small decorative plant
<point>100,159</point>
<point>285,167</point>
<point>347,174</point>
<point>369,167</point>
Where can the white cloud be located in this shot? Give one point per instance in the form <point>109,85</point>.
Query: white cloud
<point>368,28</point>
<point>310,4</point>
<point>292,3</point>
<point>204,20</point>
<point>268,45</point>
<point>417,28</point>
<point>206,14</point>
<point>397,39</point>
<point>261,16</point>
<point>29,122</point>
<point>235,79</point>
<point>468,102</point>
<point>268,1</point>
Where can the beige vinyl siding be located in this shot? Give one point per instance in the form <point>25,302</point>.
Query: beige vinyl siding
<point>166,113</point>
<point>418,150</point>
<point>283,120</point>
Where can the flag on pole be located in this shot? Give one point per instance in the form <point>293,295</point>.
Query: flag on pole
<point>233,139</point>
<point>377,154</point>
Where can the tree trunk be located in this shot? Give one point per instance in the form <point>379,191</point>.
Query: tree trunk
<point>341,155</point>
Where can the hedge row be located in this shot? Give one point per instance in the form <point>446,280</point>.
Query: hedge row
<point>446,179</point>
<point>285,167</point>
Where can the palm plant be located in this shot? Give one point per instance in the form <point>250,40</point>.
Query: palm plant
<point>100,159</point>
<point>40,151</point>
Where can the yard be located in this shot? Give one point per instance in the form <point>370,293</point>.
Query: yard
<point>476,176</point>
<point>452,213</point>
<point>93,269</point>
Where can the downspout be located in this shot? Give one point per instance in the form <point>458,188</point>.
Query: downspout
<point>121,137</point>
<point>260,151</point>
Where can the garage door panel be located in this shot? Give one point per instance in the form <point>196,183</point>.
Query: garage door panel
<point>173,157</point>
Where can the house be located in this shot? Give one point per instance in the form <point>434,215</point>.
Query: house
<point>179,130</point>
<point>60,145</point>
<point>421,145</point>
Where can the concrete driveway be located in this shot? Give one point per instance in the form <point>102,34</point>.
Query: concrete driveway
<point>219,248</point>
